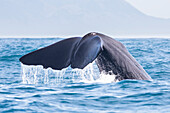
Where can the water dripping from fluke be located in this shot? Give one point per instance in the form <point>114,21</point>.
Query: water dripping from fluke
<point>38,75</point>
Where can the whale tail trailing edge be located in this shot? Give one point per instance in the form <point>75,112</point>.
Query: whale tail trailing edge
<point>77,52</point>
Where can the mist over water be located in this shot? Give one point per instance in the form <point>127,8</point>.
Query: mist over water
<point>34,89</point>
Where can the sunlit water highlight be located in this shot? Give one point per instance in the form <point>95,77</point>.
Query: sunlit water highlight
<point>41,91</point>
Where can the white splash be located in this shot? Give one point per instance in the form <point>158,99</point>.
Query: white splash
<point>38,75</point>
<point>104,78</point>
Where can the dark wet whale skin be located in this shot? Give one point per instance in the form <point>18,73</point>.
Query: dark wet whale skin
<point>110,55</point>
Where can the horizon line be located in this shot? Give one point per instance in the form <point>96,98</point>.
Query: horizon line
<point>69,36</point>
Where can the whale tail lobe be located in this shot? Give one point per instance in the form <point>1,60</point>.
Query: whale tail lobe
<point>77,52</point>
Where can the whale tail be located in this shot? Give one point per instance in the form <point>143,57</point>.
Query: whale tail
<point>77,52</point>
<point>110,55</point>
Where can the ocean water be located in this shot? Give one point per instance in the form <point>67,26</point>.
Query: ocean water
<point>41,91</point>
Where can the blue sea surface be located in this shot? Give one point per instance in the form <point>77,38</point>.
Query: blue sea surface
<point>127,96</point>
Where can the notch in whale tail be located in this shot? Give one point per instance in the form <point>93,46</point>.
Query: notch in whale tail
<point>77,52</point>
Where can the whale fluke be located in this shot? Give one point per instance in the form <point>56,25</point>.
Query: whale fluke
<point>57,56</point>
<point>77,52</point>
<point>110,55</point>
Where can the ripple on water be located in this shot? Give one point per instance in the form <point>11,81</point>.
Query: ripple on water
<point>68,93</point>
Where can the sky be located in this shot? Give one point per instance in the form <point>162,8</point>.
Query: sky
<point>156,8</point>
<point>76,17</point>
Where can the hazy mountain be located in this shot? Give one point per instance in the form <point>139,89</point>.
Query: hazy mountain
<point>74,17</point>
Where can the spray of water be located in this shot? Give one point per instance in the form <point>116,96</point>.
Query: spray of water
<point>38,75</point>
